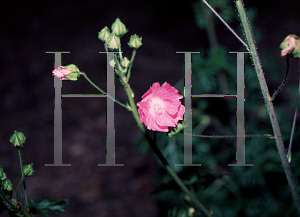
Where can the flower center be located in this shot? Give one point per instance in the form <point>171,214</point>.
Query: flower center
<point>156,106</point>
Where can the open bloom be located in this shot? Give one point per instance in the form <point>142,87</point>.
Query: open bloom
<point>60,72</point>
<point>160,107</point>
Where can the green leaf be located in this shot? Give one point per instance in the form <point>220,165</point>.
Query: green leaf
<point>48,205</point>
<point>175,130</point>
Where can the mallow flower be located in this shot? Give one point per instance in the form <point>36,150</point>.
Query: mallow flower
<point>160,107</point>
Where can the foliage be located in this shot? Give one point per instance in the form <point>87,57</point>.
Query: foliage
<point>260,190</point>
<point>48,205</point>
<point>14,206</point>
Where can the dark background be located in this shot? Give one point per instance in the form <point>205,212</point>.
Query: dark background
<point>29,29</point>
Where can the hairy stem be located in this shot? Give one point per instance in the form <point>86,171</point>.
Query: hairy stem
<point>269,104</point>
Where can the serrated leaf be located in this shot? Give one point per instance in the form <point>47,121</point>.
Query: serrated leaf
<point>48,205</point>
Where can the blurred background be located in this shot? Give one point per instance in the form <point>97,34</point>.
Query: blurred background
<point>31,28</point>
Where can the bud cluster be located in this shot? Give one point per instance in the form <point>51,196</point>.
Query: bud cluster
<point>112,41</point>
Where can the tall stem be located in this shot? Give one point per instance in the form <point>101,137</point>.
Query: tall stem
<point>131,61</point>
<point>269,104</point>
<point>21,165</point>
<point>158,153</point>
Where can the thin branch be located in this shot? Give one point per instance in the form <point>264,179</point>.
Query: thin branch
<point>223,21</point>
<point>230,136</point>
<point>289,157</point>
<point>284,80</point>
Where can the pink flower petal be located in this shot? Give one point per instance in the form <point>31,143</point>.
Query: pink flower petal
<point>160,107</point>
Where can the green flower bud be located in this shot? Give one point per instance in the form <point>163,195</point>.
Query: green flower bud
<point>119,28</point>
<point>112,63</point>
<point>28,170</point>
<point>104,33</point>
<point>17,139</point>
<point>125,62</point>
<point>289,157</point>
<point>2,174</point>
<point>7,185</point>
<point>113,41</point>
<point>135,41</point>
<point>74,75</point>
<point>71,67</point>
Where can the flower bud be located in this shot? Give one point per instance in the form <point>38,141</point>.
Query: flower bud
<point>7,185</point>
<point>125,62</point>
<point>17,139</point>
<point>112,63</point>
<point>118,28</point>
<point>2,174</point>
<point>113,41</point>
<point>135,41</point>
<point>72,68</point>
<point>191,211</point>
<point>28,170</point>
<point>73,76</point>
<point>187,199</point>
<point>291,46</point>
<point>104,33</point>
<point>69,72</point>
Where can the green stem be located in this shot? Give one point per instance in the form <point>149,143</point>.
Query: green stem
<point>134,109</point>
<point>269,104</point>
<point>158,153</point>
<point>20,208</point>
<point>92,83</point>
<point>106,48</point>
<point>21,165</point>
<point>120,52</point>
<point>18,187</point>
<point>131,61</point>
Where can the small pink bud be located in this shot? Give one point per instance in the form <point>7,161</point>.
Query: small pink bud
<point>69,72</point>
<point>60,72</point>
<point>290,48</point>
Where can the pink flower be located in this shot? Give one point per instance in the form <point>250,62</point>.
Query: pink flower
<point>60,72</point>
<point>160,107</point>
